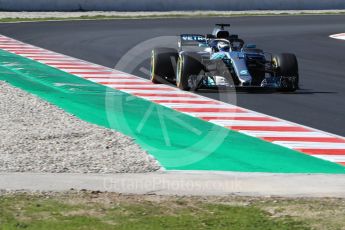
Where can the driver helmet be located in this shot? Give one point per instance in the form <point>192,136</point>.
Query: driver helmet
<point>223,46</point>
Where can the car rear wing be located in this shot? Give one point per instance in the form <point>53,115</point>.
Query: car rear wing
<point>196,40</point>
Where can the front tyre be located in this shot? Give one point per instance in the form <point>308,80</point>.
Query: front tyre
<point>188,64</point>
<point>286,66</point>
<point>163,65</point>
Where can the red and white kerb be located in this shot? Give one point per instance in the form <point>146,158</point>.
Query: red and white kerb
<point>303,139</point>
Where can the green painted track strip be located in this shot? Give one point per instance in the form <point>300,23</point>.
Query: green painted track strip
<point>176,140</point>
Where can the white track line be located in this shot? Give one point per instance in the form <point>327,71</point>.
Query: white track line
<point>250,123</point>
<point>310,145</point>
<point>280,134</point>
<point>338,36</point>
<point>337,158</point>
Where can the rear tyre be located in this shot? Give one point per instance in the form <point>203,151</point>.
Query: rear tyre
<point>287,68</point>
<point>163,65</point>
<point>188,64</point>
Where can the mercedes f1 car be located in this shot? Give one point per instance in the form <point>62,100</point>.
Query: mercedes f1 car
<point>220,60</point>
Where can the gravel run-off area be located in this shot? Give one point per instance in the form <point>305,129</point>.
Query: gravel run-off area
<point>36,136</point>
<point>153,13</point>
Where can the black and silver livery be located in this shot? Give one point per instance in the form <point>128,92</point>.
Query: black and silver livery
<point>222,60</point>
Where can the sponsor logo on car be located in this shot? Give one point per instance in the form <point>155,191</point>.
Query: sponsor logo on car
<point>192,38</point>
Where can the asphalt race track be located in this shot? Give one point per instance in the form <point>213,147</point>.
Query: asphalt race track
<point>320,103</point>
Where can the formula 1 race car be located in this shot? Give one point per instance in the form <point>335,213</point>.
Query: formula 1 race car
<point>222,60</point>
